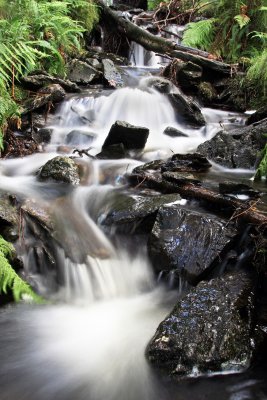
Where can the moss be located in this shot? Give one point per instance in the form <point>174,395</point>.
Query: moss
<point>207,91</point>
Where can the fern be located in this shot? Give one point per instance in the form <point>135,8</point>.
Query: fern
<point>9,280</point>
<point>200,34</point>
<point>262,168</point>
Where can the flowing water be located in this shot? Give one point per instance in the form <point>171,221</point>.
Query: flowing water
<point>89,342</point>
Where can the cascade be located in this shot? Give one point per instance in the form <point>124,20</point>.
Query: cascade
<point>89,342</point>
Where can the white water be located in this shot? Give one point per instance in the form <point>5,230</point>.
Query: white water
<point>90,343</point>
<point>140,106</point>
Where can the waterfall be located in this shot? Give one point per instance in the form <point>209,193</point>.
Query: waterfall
<point>88,343</point>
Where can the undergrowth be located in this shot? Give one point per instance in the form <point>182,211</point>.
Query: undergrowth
<point>9,279</point>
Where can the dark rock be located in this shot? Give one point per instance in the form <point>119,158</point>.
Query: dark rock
<point>238,148</point>
<point>180,178</point>
<point>132,137</point>
<point>9,219</point>
<point>36,81</point>
<point>81,72</point>
<point>234,188</point>
<point>257,116</point>
<point>173,132</point>
<point>186,163</point>
<point>189,75</point>
<point>79,138</point>
<point>160,84</point>
<point>210,329</point>
<point>187,109</point>
<point>207,93</point>
<point>62,169</point>
<point>113,152</point>
<point>53,93</point>
<point>111,73</point>
<point>205,238</point>
<point>42,135</point>
<point>136,214</point>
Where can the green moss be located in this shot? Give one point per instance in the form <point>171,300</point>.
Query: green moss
<point>9,279</point>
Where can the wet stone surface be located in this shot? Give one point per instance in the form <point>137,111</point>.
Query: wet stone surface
<point>209,329</point>
<point>188,241</point>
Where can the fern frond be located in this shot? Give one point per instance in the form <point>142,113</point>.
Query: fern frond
<point>200,34</point>
<point>9,279</point>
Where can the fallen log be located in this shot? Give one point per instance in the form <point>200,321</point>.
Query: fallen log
<point>167,183</point>
<point>160,45</point>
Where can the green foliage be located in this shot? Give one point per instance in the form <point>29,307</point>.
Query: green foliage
<point>262,169</point>
<point>8,108</point>
<point>200,34</point>
<point>38,34</point>
<point>255,81</point>
<point>10,281</point>
<point>236,29</point>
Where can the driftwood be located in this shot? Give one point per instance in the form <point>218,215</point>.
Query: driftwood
<point>240,210</point>
<point>160,45</point>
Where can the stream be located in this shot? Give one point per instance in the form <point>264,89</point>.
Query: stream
<point>89,342</point>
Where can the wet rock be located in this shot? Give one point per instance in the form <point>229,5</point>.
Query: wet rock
<point>186,163</point>
<point>9,219</point>
<point>207,93</point>
<point>37,79</point>
<point>62,169</point>
<point>209,330</point>
<point>111,73</point>
<point>180,178</point>
<point>113,152</point>
<point>82,73</point>
<point>173,132</point>
<point>132,137</point>
<point>238,148</point>
<point>188,241</point>
<point>186,108</point>
<point>257,116</point>
<point>189,75</point>
<point>234,188</point>
<point>160,84</point>
<point>53,93</point>
<point>42,135</point>
<point>136,214</point>
<point>79,138</point>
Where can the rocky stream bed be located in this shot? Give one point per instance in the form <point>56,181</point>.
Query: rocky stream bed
<point>82,184</point>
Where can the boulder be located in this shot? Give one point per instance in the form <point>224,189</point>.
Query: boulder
<point>173,132</point>
<point>188,241</point>
<point>111,74</point>
<point>79,138</point>
<point>61,169</point>
<point>132,137</point>
<point>187,109</point>
<point>188,75</point>
<point>82,73</point>
<point>186,163</point>
<point>136,214</point>
<point>37,79</point>
<point>236,149</point>
<point>42,135</point>
<point>209,330</point>
<point>53,93</point>
<point>112,152</point>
